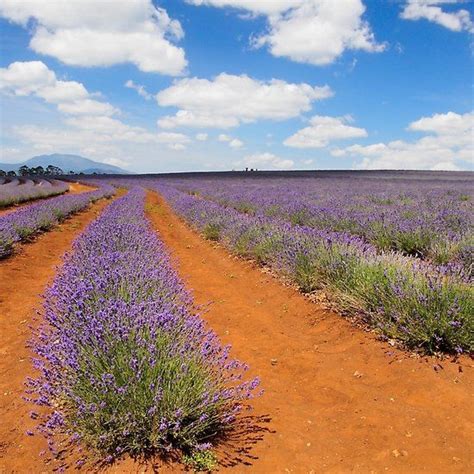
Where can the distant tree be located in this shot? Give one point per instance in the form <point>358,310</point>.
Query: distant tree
<point>54,170</point>
<point>3,173</point>
<point>24,170</point>
<point>11,173</point>
<point>37,170</point>
<point>72,172</point>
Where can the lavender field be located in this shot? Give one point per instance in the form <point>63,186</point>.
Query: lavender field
<point>127,364</point>
<point>24,223</point>
<point>15,190</point>
<point>395,249</point>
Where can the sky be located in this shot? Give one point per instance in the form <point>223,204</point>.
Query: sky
<point>187,85</point>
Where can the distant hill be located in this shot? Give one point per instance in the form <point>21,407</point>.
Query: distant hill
<point>67,163</point>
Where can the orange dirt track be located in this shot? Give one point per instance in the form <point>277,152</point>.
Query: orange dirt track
<point>339,400</point>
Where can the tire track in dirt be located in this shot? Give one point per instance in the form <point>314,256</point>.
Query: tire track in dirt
<point>23,278</point>
<point>339,400</point>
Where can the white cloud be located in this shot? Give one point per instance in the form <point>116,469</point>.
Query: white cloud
<point>202,137</point>
<point>233,142</point>
<point>265,7</point>
<point>324,130</point>
<point>34,78</point>
<point>100,137</point>
<point>85,33</point>
<point>448,145</point>
<point>174,141</point>
<point>142,92</point>
<point>185,118</point>
<point>87,107</point>
<point>228,100</point>
<point>458,20</point>
<point>308,31</point>
<point>176,146</point>
<point>25,78</point>
<point>236,143</point>
<point>63,91</point>
<point>266,161</point>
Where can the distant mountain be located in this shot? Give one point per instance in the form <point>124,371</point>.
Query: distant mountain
<point>67,163</point>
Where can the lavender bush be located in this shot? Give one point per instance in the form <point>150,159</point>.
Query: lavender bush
<point>126,364</point>
<point>25,222</point>
<point>17,191</point>
<point>424,305</point>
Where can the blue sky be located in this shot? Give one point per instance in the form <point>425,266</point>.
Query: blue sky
<point>224,84</point>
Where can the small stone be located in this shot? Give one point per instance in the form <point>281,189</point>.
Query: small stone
<point>397,453</point>
<point>456,459</point>
<point>357,374</point>
<point>274,361</point>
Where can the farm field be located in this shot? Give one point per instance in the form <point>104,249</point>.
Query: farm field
<point>69,187</point>
<point>19,225</point>
<point>15,190</point>
<point>250,322</point>
<point>237,236</point>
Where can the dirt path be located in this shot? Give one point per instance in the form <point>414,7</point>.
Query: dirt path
<point>74,188</point>
<point>23,277</point>
<point>339,400</point>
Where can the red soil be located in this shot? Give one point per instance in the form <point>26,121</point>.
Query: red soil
<point>74,188</point>
<point>338,399</point>
<point>23,277</point>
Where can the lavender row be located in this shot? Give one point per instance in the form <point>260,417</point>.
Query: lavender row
<point>430,219</point>
<point>16,191</point>
<point>41,216</point>
<point>127,365</point>
<point>417,303</point>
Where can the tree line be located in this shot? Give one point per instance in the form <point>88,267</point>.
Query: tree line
<point>24,170</point>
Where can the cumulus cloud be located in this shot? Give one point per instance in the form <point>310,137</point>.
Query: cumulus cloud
<point>266,7</point>
<point>35,78</point>
<point>101,137</point>
<point>233,142</point>
<point>431,10</point>
<point>174,141</point>
<point>224,138</point>
<point>324,130</point>
<point>87,107</point>
<point>236,143</point>
<point>142,92</point>
<point>308,31</point>
<point>83,33</point>
<point>267,161</point>
<point>202,137</point>
<point>228,100</point>
<point>447,145</point>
